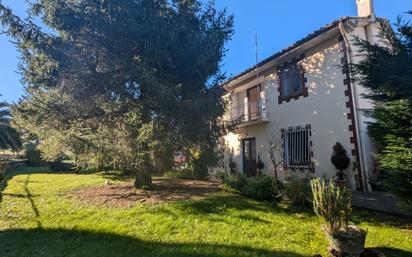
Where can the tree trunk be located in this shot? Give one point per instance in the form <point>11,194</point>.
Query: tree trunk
<point>143,179</point>
<point>144,169</point>
<point>275,170</point>
<point>144,173</point>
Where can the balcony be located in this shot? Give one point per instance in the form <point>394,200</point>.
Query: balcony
<point>247,114</point>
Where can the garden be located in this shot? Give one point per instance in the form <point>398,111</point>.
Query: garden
<point>45,213</point>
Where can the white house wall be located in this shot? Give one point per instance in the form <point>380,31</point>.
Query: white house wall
<point>370,32</point>
<point>324,109</point>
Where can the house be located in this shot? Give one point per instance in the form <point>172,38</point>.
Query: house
<point>304,101</point>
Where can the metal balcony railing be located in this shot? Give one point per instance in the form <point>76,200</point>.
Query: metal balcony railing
<point>251,112</point>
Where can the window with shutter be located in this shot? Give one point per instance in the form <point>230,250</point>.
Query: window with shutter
<point>291,81</point>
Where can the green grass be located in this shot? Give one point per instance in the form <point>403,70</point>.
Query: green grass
<point>38,219</point>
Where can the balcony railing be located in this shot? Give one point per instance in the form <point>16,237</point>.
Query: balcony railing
<point>248,113</point>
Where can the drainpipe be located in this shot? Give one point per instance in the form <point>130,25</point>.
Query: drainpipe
<point>356,108</point>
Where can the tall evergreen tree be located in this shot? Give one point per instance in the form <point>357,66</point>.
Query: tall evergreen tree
<point>387,71</point>
<point>121,84</point>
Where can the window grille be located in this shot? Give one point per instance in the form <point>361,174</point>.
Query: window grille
<point>296,147</point>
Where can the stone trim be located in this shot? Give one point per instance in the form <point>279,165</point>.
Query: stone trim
<point>349,105</point>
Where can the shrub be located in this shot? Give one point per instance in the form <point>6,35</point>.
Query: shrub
<point>297,191</point>
<point>340,160</point>
<point>60,166</point>
<point>220,176</point>
<point>180,174</point>
<point>201,160</point>
<point>396,162</point>
<point>33,157</point>
<point>260,188</point>
<point>236,181</point>
<point>3,167</point>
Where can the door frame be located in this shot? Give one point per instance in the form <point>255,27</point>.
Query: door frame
<point>255,115</point>
<point>249,164</point>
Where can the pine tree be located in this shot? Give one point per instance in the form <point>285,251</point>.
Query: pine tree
<point>120,84</point>
<point>387,71</point>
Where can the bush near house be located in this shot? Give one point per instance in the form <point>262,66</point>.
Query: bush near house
<point>262,188</point>
<point>236,181</point>
<point>396,159</point>
<point>297,191</point>
<point>294,190</point>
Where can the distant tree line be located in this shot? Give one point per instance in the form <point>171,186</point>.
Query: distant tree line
<point>9,137</point>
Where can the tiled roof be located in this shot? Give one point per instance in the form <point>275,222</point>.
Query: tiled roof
<point>291,47</point>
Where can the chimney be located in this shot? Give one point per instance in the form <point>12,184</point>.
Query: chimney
<point>365,8</point>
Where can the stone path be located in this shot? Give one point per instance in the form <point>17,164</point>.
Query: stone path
<point>379,201</point>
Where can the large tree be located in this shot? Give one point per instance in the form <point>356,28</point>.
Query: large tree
<point>121,84</point>
<point>386,71</point>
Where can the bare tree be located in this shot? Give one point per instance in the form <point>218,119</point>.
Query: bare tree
<point>273,151</point>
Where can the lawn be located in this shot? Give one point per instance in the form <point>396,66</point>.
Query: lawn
<point>40,218</point>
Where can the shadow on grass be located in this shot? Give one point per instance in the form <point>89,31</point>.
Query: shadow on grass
<point>25,170</point>
<point>28,195</point>
<point>393,252</point>
<point>221,203</point>
<point>381,219</point>
<point>253,218</point>
<point>60,242</point>
<point>117,176</point>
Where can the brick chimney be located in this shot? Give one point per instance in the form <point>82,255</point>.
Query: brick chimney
<point>365,8</point>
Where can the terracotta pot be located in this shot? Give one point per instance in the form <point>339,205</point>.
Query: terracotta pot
<point>348,242</point>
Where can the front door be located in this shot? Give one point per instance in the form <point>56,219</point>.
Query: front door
<point>253,101</point>
<point>249,157</point>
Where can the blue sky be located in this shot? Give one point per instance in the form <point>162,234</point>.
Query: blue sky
<point>278,23</point>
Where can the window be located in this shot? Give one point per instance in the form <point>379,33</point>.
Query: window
<point>291,81</point>
<point>296,147</point>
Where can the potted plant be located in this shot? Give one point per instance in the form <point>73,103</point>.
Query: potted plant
<point>341,162</point>
<point>333,204</point>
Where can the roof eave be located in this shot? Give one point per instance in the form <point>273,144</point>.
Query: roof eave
<point>252,70</point>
